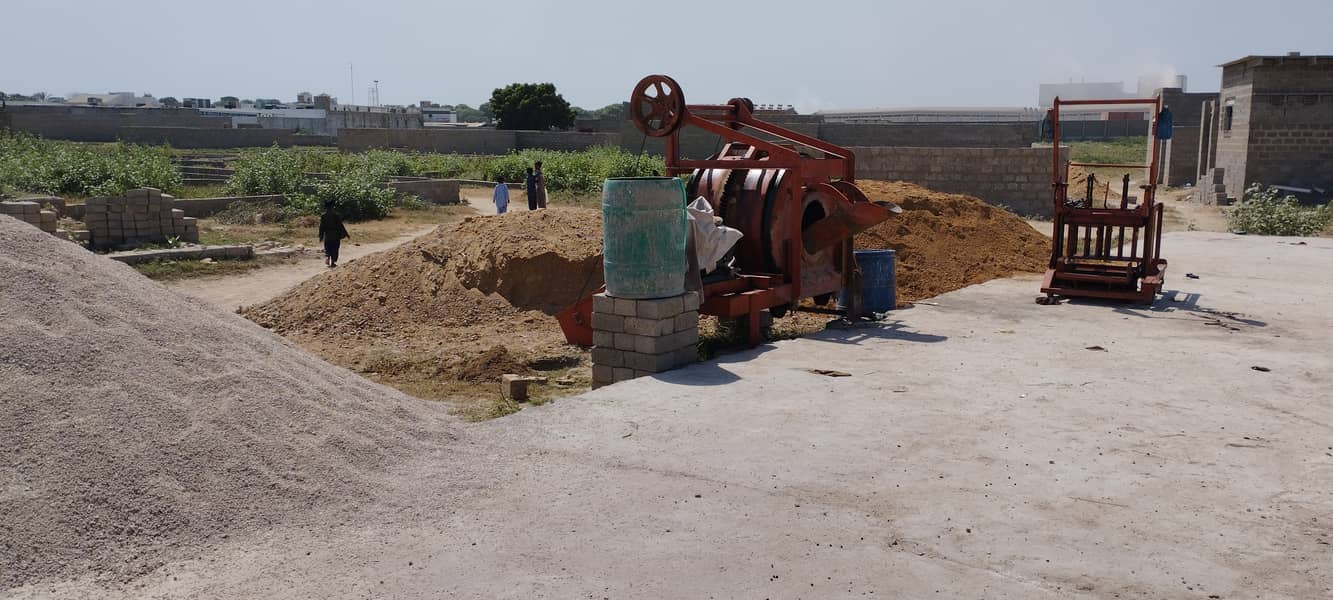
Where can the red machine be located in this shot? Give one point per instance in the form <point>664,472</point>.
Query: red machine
<point>1091,256</point>
<point>791,195</point>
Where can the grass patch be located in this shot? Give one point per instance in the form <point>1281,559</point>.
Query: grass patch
<point>1126,150</point>
<point>165,270</point>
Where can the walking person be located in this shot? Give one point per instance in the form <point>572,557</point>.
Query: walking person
<point>541,185</point>
<point>331,232</point>
<point>530,185</point>
<point>500,196</point>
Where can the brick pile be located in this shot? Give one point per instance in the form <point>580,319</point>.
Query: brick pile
<point>142,216</point>
<point>31,213</point>
<point>634,338</point>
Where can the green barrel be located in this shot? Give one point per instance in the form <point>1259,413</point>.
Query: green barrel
<point>643,237</point>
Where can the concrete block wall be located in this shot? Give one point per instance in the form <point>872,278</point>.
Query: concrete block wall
<point>1102,129</point>
<point>103,124</point>
<point>1018,178</point>
<point>446,141</point>
<point>1180,159</point>
<point>634,338</point>
<point>142,216</point>
<point>932,135</point>
<point>198,137</point>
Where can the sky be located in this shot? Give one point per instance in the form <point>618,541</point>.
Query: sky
<point>814,55</point>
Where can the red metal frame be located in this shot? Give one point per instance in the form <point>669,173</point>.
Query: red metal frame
<point>1100,268</point>
<point>777,244</point>
<point>831,175</point>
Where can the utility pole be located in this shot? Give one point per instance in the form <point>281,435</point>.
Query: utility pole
<point>351,76</point>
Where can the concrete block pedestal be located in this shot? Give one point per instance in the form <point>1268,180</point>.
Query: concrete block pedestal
<point>633,338</point>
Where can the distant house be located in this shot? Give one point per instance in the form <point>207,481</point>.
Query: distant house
<point>1272,123</point>
<point>439,114</point>
<point>115,99</point>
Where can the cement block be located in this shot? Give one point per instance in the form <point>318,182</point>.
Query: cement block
<point>655,363</point>
<point>690,301</point>
<point>608,357</point>
<point>515,387</point>
<point>602,303</point>
<point>650,327</point>
<point>177,213</point>
<point>605,322</point>
<point>603,374</point>
<point>626,341</point>
<point>604,339</point>
<point>625,307</point>
<point>663,308</point>
<point>687,320</point>
<point>623,374</point>
<point>138,194</point>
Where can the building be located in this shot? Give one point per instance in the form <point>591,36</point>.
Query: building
<point>115,99</point>
<point>373,117</point>
<point>1271,123</point>
<point>433,113</point>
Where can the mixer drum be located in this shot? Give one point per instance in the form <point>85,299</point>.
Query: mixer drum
<point>753,201</point>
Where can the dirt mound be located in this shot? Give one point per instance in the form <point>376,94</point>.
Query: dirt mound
<point>482,270</point>
<point>424,315</point>
<point>948,241</point>
<point>543,260</point>
<point>489,366</point>
<point>135,424</point>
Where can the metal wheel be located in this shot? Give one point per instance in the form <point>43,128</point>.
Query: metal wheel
<point>657,105</point>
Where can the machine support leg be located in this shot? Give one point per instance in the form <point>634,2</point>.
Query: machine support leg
<point>753,333</point>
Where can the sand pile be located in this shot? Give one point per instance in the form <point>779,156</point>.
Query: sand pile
<point>467,302</point>
<point>948,241</point>
<point>136,424</point>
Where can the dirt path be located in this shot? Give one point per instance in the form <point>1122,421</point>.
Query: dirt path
<point>253,287</point>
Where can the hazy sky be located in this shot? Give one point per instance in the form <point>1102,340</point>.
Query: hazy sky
<point>831,54</point>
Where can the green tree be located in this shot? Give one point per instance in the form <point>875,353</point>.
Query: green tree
<point>467,114</point>
<point>531,106</point>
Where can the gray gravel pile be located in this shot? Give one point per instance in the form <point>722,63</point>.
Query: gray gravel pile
<point>136,424</point>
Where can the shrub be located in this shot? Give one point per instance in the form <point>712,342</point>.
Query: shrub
<point>1263,212</point>
<point>356,194</point>
<point>32,164</point>
<point>268,171</point>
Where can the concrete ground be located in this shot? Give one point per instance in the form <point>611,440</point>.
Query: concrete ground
<point>983,446</point>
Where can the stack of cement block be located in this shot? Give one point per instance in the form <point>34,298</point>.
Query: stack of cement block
<point>142,216</point>
<point>31,213</point>
<point>633,338</point>
<point>1214,190</point>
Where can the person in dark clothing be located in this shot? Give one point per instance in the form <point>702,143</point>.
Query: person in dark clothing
<point>331,232</point>
<point>531,184</point>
